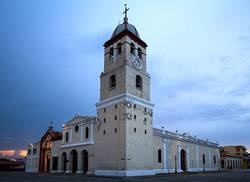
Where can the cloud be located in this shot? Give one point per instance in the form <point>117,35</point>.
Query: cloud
<point>244,38</point>
<point>88,43</point>
<point>207,95</point>
<point>12,153</point>
<point>7,153</point>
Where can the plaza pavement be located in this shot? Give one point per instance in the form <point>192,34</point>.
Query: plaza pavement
<point>230,176</point>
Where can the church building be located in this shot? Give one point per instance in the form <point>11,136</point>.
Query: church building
<point>121,139</point>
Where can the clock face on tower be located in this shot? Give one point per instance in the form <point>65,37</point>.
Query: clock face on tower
<point>137,63</point>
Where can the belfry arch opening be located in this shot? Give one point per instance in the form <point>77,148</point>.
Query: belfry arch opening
<point>119,48</point>
<point>111,51</point>
<point>112,81</point>
<point>140,53</point>
<point>132,48</point>
<point>138,81</point>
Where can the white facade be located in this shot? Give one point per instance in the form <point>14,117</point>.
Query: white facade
<point>32,159</point>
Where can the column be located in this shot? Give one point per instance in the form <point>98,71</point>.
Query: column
<point>70,135</point>
<point>62,137</point>
<point>197,156</point>
<point>91,132</point>
<point>209,156</point>
<point>31,163</point>
<point>79,164</point>
<point>179,157</point>
<point>219,160</point>
<point>68,168</point>
<point>136,51</point>
<point>165,154</point>
<point>115,52</point>
<point>31,158</point>
<point>188,158</point>
<point>81,133</point>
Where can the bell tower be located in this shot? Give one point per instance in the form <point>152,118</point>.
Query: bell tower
<point>125,112</point>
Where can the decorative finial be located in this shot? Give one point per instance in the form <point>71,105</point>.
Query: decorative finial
<point>51,124</point>
<point>125,19</point>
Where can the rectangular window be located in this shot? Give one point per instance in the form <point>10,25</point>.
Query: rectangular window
<point>135,130</point>
<point>134,116</point>
<point>115,117</point>
<point>159,156</point>
<point>145,132</point>
<point>29,152</point>
<point>66,137</point>
<point>104,110</point>
<point>34,151</point>
<point>134,105</point>
<point>116,106</point>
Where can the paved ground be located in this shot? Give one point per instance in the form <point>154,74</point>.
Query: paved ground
<point>236,176</point>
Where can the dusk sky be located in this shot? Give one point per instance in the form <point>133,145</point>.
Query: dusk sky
<point>198,58</point>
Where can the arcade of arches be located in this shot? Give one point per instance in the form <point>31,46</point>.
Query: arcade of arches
<point>75,162</point>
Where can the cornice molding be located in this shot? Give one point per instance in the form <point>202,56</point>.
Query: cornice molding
<point>124,97</point>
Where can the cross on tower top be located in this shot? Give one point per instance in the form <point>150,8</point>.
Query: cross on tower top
<point>51,124</point>
<point>125,19</point>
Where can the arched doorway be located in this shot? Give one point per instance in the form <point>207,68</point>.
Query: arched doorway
<point>222,164</point>
<point>73,160</point>
<point>64,161</point>
<point>85,161</point>
<point>47,163</point>
<point>183,160</point>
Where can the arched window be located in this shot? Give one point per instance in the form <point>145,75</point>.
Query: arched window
<point>159,155</point>
<point>119,48</point>
<point>112,81</point>
<point>66,137</point>
<point>140,53</point>
<point>214,159</point>
<point>111,52</point>
<point>132,48</point>
<point>138,82</point>
<point>87,132</point>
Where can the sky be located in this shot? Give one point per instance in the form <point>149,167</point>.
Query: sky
<point>198,58</point>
